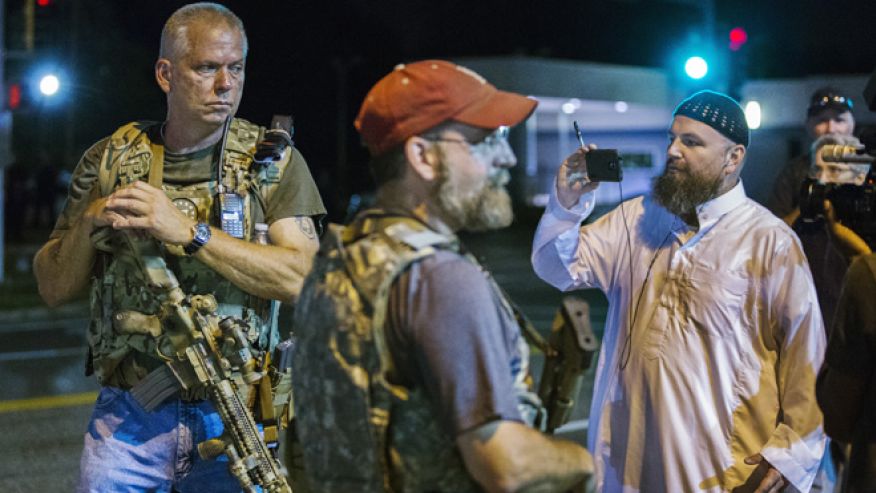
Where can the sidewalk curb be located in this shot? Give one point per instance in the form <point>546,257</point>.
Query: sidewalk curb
<point>77,309</point>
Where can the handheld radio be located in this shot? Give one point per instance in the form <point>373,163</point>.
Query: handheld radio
<point>230,203</point>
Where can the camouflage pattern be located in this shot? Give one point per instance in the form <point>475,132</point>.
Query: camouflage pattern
<point>362,432</point>
<point>122,349</point>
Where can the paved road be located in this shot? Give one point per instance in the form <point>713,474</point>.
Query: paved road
<point>45,400</point>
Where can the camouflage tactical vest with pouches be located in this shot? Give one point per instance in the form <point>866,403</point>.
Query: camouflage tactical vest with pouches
<point>362,431</point>
<point>123,328</point>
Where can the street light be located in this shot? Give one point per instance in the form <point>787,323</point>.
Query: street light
<point>753,114</point>
<point>49,84</point>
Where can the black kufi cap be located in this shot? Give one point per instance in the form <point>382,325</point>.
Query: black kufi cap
<point>718,111</point>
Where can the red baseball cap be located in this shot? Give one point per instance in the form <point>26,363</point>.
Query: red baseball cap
<point>417,96</point>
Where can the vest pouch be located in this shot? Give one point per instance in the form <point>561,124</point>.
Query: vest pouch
<point>126,322</point>
<point>118,287</point>
<point>193,201</point>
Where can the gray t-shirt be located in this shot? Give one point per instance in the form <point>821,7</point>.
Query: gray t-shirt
<point>449,333</point>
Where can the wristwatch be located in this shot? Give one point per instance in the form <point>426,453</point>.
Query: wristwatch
<point>201,237</point>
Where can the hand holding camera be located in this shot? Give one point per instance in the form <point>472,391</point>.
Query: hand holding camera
<point>582,171</point>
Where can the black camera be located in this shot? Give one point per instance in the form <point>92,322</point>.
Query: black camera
<point>854,205</point>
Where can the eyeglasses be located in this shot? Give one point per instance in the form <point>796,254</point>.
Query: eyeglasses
<point>491,142</point>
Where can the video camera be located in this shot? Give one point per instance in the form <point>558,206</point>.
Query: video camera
<point>854,205</point>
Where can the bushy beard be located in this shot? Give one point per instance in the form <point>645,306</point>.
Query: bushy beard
<point>681,192</point>
<point>483,209</point>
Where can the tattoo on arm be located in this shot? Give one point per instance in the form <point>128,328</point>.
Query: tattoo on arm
<point>305,224</point>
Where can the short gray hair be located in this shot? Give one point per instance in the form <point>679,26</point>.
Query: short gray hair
<point>174,36</point>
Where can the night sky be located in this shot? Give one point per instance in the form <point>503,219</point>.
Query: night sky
<point>317,59</point>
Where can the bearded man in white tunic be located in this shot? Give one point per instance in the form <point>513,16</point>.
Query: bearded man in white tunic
<point>713,338</point>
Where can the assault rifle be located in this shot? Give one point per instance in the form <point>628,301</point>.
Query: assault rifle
<point>200,352</point>
<point>568,354</point>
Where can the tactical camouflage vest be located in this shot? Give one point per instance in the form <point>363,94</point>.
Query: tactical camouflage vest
<point>122,331</point>
<point>362,432</point>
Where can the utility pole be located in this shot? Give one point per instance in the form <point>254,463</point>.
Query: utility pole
<point>5,137</point>
<point>708,7</point>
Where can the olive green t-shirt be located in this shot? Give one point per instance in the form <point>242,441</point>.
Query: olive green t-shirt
<point>296,194</point>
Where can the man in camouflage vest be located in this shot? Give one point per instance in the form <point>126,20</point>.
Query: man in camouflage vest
<point>160,180</point>
<point>410,368</point>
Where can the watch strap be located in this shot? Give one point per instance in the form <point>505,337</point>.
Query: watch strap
<point>201,237</point>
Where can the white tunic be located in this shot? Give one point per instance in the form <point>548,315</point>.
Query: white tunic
<point>721,359</point>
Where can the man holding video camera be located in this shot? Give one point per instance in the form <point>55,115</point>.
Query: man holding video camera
<point>829,112</point>
<point>713,337</point>
<point>827,219</point>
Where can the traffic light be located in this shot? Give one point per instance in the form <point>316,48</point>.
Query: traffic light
<point>694,63</point>
<point>738,37</point>
<point>40,88</point>
<point>738,60</point>
<point>696,67</point>
<point>13,96</point>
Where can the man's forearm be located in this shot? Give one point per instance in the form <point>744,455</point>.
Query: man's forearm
<point>266,271</point>
<point>506,456</point>
<point>558,466</point>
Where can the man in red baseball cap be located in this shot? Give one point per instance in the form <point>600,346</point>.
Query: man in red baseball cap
<point>409,357</point>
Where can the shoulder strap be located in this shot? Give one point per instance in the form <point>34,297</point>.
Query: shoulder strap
<point>243,136</point>
<point>402,228</point>
<point>403,240</point>
<point>238,148</point>
<point>156,170</point>
<point>243,139</point>
<point>378,320</point>
<point>122,142</point>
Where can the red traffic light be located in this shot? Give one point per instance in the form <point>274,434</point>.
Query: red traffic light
<point>43,3</point>
<point>14,96</point>
<point>738,37</point>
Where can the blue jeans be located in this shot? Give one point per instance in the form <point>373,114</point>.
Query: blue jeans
<point>130,450</point>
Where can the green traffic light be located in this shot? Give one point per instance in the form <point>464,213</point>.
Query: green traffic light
<point>696,67</point>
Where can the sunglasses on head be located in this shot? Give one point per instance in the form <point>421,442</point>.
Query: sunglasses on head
<point>830,99</point>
